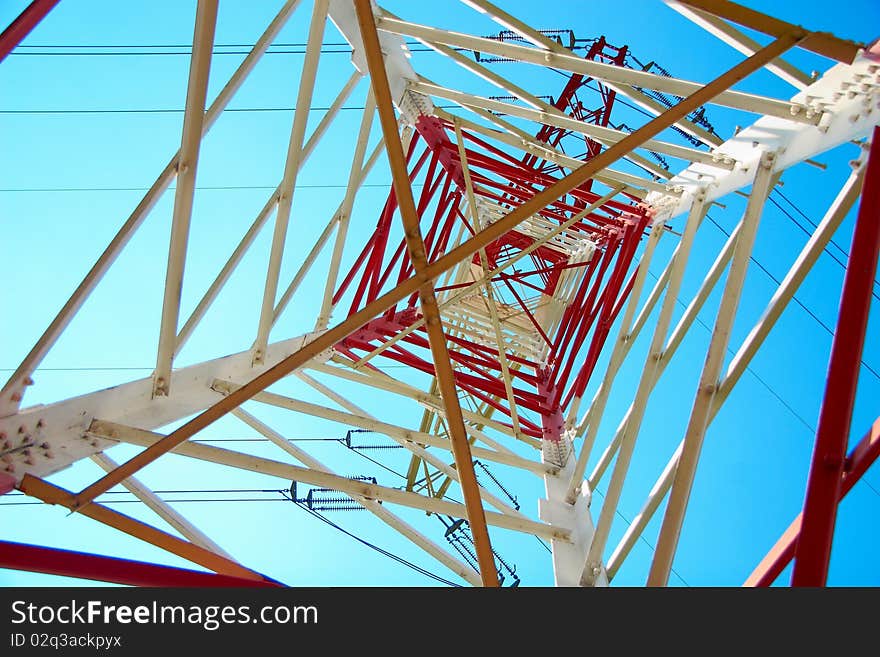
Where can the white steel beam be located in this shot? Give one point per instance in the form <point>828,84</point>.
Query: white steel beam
<point>343,215</point>
<point>399,434</point>
<point>709,379</point>
<point>487,288</point>
<point>109,432</point>
<point>522,140</point>
<point>597,408</point>
<point>410,446</point>
<point>13,391</point>
<point>847,102</point>
<point>291,171</point>
<point>187,167</point>
<point>568,556</point>
<point>392,520</point>
<point>557,119</point>
<point>432,403</point>
<point>61,425</point>
<point>162,508</point>
<point>252,232</point>
<point>678,333</point>
<point>650,375</point>
<point>741,42</point>
<point>750,346</point>
<point>616,77</point>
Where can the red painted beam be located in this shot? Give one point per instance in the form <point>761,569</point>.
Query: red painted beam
<point>813,550</point>
<point>22,26</point>
<point>67,563</point>
<point>857,463</point>
<point>7,483</point>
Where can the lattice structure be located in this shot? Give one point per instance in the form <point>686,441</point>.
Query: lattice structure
<point>507,273</point>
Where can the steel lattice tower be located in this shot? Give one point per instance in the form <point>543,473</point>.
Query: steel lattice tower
<point>498,290</point>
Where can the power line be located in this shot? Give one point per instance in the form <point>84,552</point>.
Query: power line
<point>180,110</point>
<point>209,188</point>
<point>644,540</point>
<point>809,312</point>
<point>149,50</point>
<point>112,369</point>
<point>809,233</point>
<point>378,549</point>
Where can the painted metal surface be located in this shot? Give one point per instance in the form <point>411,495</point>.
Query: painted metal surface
<point>501,281</point>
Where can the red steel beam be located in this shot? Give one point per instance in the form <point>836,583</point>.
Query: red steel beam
<point>860,458</point>
<point>813,551</point>
<point>23,24</point>
<point>67,563</point>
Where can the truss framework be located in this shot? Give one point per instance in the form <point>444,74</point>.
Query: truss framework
<point>512,266</point>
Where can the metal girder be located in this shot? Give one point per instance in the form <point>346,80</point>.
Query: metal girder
<point>410,440</point>
<point>543,117</point>
<point>849,111</point>
<point>462,570</point>
<point>251,234</point>
<point>189,531</point>
<point>750,346</point>
<point>741,42</point>
<point>292,166</point>
<point>26,21</point>
<point>442,365</point>
<point>287,472</point>
<point>597,408</point>
<point>712,369</point>
<point>821,43</point>
<point>51,494</point>
<point>430,402</point>
<point>614,76</point>
<point>187,167</point>
<point>857,462</point>
<point>68,563</point>
<point>813,552</point>
<point>62,424</point>
<point>13,390</point>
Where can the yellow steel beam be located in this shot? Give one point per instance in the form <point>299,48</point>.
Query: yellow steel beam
<point>822,43</point>
<point>442,365</point>
<point>51,494</point>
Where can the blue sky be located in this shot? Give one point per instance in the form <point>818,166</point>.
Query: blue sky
<point>72,167</point>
